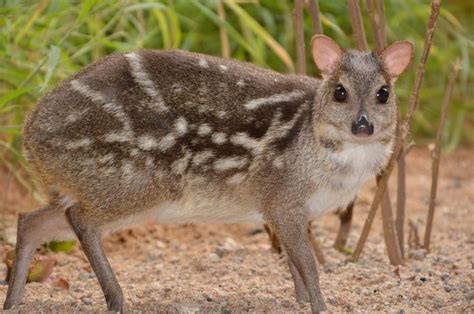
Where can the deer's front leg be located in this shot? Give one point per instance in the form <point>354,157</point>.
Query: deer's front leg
<point>290,225</point>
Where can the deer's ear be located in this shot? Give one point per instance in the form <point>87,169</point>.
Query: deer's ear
<point>397,57</point>
<point>326,53</point>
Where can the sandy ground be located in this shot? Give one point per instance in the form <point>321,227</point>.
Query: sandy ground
<point>232,269</point>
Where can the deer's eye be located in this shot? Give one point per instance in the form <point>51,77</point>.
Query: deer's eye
<point>382,95</point>
<point>340,93</point>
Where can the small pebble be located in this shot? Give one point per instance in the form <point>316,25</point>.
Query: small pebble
<point>448,288</point>
<point>444,276</point>
<point>214,257</point>
<point>365,292</point>
<point>332,300</point>
<point>418,254</point>
<point>87,301</point>
<point>238,258</point>
<point>470,296</point>
<point>437,304</point>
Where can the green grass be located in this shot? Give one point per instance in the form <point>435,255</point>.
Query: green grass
<point>43,42</point>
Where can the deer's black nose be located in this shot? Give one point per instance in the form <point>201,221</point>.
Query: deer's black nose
<point>362,127</point>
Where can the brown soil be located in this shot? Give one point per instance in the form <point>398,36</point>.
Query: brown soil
<point>231,268</point>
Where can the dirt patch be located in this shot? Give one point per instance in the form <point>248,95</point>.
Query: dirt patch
<point>231,268</point>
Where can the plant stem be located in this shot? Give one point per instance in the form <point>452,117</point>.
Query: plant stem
<point>357,25</point>
<point>225,50</point>
<point>437,152</point>
<point>299,30</point>
<point>313,7</point>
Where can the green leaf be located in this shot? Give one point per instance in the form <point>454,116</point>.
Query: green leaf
<point>62,246</point>
<point>53,60</point>
<point>263,34</point>
<point>9,96</point>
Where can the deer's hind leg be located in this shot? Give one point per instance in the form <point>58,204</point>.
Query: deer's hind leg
<point>89,234</point>
<point>34,229</point>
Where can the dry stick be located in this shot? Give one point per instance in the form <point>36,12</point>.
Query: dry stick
<point>401,201</point>
<point>437,152</point>
<point>225,50</point>
<point>389,230</point>
<point>300,54</point>
<point>381,15</point>
<point>405,127</point>
<point>413,238</point>
<point>313,7</point>
<point>375,26</point>
<point>357,25</point>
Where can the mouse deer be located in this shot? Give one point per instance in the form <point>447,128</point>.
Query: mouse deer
<point>182,137</point>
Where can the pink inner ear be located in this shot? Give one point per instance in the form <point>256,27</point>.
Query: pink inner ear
<point>397,57</point>
<point>326,53</point>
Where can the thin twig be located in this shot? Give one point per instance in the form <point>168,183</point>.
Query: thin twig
<point>413,237</point>
<point>299,30</point>
<point>313,8</point>
<point>382,29</point>
<point>389,230</point>
<point>357,25</point>
<point>405,127</point>
<point>437,152</point>
<point>375,26</point>
<point>401,202</point>
<point>225,50</point>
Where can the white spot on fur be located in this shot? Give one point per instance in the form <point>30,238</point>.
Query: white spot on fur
<point>108,106</point>
<point>179,166</point>
<point>167,142</point>
<point>177,88</point>
<point>230,163</point>
<point>106,158</point>
<point>202,157</point>
<point>143,80</point>
<point>84,90</point>
<point>128,171</point>
<point>236,179</point>
<point>204,129</point>
<point>243,139</point>
<point>241,83</point>
<point>118,137</point>
<point>221,114</point>
<point>278,162</point>
<point>203,63</point>
<point>82,143</point>
<point>223,67</point>
<point>181,126</point>
<point>147,142</point>
<point>149,162</point>
<point>274,99</point>
<point>74,116</point>
<point>219,138</point>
